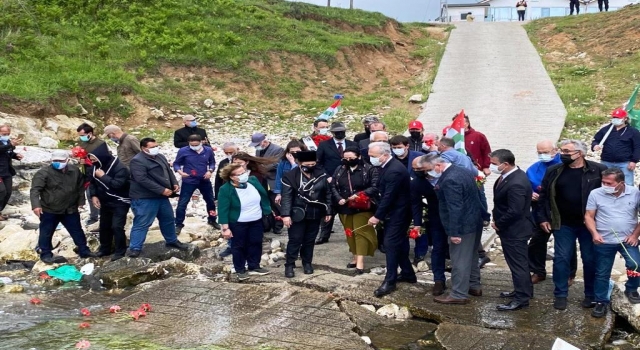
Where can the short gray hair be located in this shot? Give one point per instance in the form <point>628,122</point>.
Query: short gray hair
<point>384,147</point>
<point>432,158</point>
<point>579,145</point>
<point>373,134</point>
<point>229,144</point>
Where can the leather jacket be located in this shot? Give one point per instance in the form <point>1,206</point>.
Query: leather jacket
<point>314,196</point>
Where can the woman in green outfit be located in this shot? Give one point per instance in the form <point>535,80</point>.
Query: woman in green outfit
<point>242,201</point>
<point>349,180</point>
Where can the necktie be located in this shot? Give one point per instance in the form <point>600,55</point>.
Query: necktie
<point>340,149</point>
<point>499,181</point>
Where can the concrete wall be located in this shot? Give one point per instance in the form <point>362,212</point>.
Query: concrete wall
<point>455,13</point>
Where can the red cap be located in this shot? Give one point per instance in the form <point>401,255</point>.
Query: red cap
<point>619,113</point>
<point>415,125</point>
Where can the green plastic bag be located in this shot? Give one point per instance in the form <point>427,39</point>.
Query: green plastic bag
<point>66,273</point>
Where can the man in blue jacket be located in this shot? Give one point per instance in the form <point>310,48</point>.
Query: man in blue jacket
<point>195,164</point>
<point>152,184</point>
<point>400,148</point>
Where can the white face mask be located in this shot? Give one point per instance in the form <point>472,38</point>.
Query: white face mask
<point>230,158</point>
<point>545,158</point>
<point>434,174</point>
<point>196,148</point>
<point>323,131</point>
<point>259,148</point>
<point>375,161</point>
<point>495,169</point>
<point>154,151</point>
<point>398,151</point>
<point>609,189</point>
<point>244,177</point>
<point>617,121</point>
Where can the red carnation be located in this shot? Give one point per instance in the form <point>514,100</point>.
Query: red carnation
<point>85,312</point>
<point>348,232</point>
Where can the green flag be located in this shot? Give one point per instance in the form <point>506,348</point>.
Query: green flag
<point>634,114</point>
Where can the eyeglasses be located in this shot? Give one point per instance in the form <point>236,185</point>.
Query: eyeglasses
<point>568,151</point>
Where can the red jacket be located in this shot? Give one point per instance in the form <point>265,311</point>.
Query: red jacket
<point>477,148</point>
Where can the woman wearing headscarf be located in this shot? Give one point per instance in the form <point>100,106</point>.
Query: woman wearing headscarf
<point>306,202</point>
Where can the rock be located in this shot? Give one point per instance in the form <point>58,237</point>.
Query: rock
<point>416,98</point>
<point>17,244</point>
<point>281,255</point>
<point>369,307</point>
<point>129,272</point>
<point>156,113</point>
<point>201,244</point>
<point>47,142</point>
<point>177,265</point>
<point>366,339</point>
<point>208,103</point>
<point>403,313</point>
<point>389,310</point>
<point>41,267</point>
<point>497,241</point>
<point>276,244</point>
<point>378,270</point>
<point>64,127</point>
<point>273,257</point>
<point>13,288</point>
<point>621,305</point>
<point>158,252</point>
<point>423,266</point>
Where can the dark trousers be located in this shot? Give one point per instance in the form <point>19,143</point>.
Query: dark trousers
<point>6,188</point>
<point>246,247</point>
<point>538,254</point>
<point>574,5</point>
<point>275,225</point>
<point>94,213</point>
<point>515,253</point>
<point>71,222</point>
<point>605,3</point>
<point>302,238</point>
<point>521,15</point>
<point>327,227</point>
<point>465,272</point>
<point>112,221</point>
<point>396,245</point>
<point>439,252</point>
<point>186,191</point>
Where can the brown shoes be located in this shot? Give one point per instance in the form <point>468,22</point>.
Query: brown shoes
<point>438,288</point>
<point>446,299</point>
<point>475,292</point>
<point>537,278</point>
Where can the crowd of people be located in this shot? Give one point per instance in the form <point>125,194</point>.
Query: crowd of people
<point>384,189</point>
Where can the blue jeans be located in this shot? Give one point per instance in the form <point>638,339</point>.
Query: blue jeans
<point>605,255</point>
<point>48,224</point>
<point>438,254</point>
<point>565,244</point>
<point>186,191</point>
<point>628,174</point>
<point>145,211</point>
<point>246,247</point>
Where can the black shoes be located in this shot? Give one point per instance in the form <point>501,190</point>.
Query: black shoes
<point>405,279</point>
<point>438,288</point>
<point>47,259</point>
<point>117,257</point>
<point>508,294</point>
<point>308,269</point>
<point>483,261</point>
<point>214,224</point>
<point>358,272</point>
<point>89,255</point>
<point>634,297</point>
<point>102,254</point>
<point>91,221</point>
<point>417,259</point>
<point>384,289</point>
<point>179,229</point>
<point>178,245</point>
<point>351,266</point>
<point>560,303</point>
<point>134,253</point>
<point>588,303</point>
<point>322,241</point>
<point>288,271</point>
<point>225,253</point>
<point>600,310</point>
<point>512,306</point>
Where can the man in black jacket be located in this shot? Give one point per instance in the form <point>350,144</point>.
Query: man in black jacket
<point>181,136</point>
<point>230,149</point>
<point>394,208</point>
<point>7,147</point>
<point>366,122</point>
<point>109,192</point>
<point>561,208</point>
<point>460,212</point>
<point>329,159</point>
<point>152,184</point>
<point>513,224</point>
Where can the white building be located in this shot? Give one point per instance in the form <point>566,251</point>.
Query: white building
<point>505,10</point>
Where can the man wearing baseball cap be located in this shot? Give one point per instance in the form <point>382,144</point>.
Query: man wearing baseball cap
<point>416,131</point>
<point>267,149</point>
<point>181,136</point>
<point>620,145</point>
<point>57,190</point>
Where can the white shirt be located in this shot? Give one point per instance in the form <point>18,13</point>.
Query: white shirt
<point>250,209</point>
<point>341,142</point>
<point>504,176</point>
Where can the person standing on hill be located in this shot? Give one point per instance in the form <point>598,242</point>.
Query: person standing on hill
<point>605,3</point>
<point>7,147</point>
<point>521,7</point>
<point>181,136</point>
<point>574,4</point>
<point>128,145</point>
<point>621,148</point>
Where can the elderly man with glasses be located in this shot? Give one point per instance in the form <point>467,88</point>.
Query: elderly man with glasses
<point>561,208</point>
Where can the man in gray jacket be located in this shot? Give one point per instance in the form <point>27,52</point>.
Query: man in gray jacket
<point>152,184</point>
<point>267,149</point>
<point>57,190</point>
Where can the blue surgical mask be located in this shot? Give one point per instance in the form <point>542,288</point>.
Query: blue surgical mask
<point>115,139</point>
<point>59,165</point>
<point>193,123</point>
<point>434,174</point>
<point>323,131</point>
<point>375,161</point>
<point>5,138</point>
<point>196,148</point>
<point>244,177</point>
<point>84,138</point>
<point>398,151</point>
<point>545,158</point>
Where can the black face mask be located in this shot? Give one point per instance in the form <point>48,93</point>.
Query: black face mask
<point>420,174</point>
<point>416,135</point>
<point>339,135</point>
<point>307,169</point>
<point>351,162</point>
<point>566,159</point>
<point>366,130</point>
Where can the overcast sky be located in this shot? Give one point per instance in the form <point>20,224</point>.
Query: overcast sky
<point>401,10</point>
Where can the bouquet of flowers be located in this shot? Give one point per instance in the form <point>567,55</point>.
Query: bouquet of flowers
<point>480,179</point>
<point>415,233</point>
<point>81,154</point>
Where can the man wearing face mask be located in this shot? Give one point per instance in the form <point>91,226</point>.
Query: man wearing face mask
<point>400,146</point>
<point>90,143</point>
<point>230,149</point>
<point>394,207</point>
<point>152,184</point>
<point>128,145</point>
<point>376,136</point>
<point>366,122</point>
<point>547,156</point>
<point>195,164</point>
<point>57,190</point>
<point>267,149</point>
<point>621,146</point>
<point>7,147</point>
<point>373,127</point>
<point>612,220</point>
<point>181,136</point>
<point>320,133</point>
<point>330,154</point>
<point>416,131</point>
<point>513,224</point>
<point>561,208</point>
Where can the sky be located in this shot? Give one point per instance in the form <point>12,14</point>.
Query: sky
<point>401,10</point>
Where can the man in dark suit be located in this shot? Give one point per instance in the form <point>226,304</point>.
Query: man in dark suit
<point>394,207</point>
<point>267,149</point>
<point>329,159</point>
<point>460,213</point>
<point>513,224</point>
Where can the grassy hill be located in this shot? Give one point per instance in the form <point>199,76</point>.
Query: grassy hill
<point>117,58</point>
<point>594,61</point>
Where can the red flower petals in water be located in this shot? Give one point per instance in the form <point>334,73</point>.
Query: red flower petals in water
<point>135,315</point>
<point>114,309</point>
<point>83,344</point>
<point>84,325</point>
<point>45,276</point>
<point>35,301</point>
<point>141,312</point>
<point>348,232</point>
<point>146,307</point>
<point>85,312</point>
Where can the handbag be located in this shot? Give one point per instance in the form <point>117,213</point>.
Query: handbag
<point>297,214</point>
<point>362,202</point>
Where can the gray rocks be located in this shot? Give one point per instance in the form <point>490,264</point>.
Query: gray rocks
<point>129,272</point>
<point>416,98</point>
<point>389,310</point>
<point>17,244</point>
<point>48,142</point>
<point>208,103</point>
<point>621,305</point>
